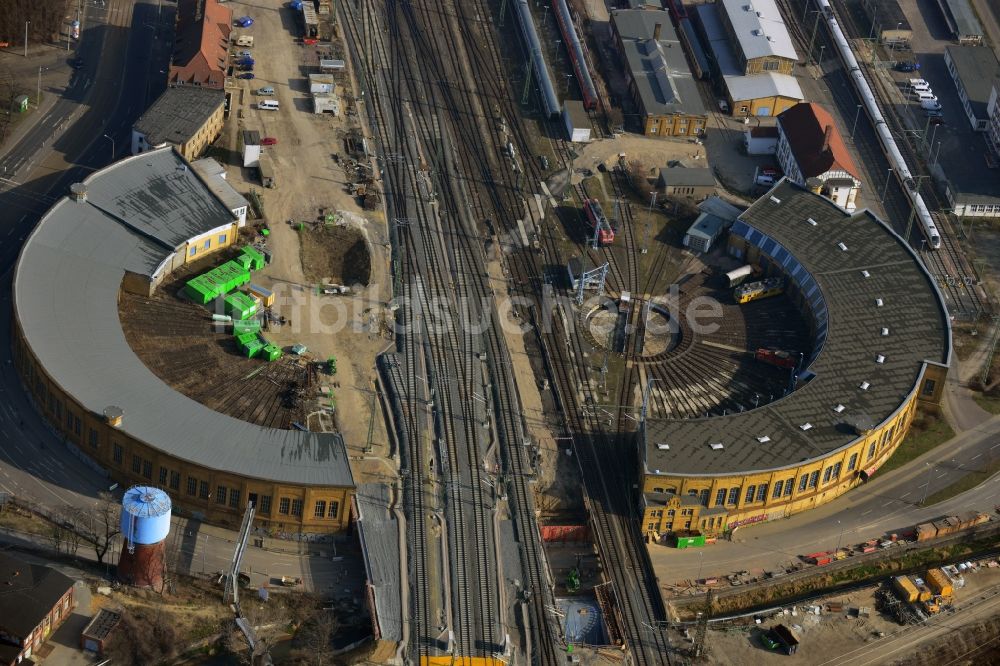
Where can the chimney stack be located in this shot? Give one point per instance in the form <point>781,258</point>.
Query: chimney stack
<point>78,192</point>
<point>826,138</point>
<point>656,31</point>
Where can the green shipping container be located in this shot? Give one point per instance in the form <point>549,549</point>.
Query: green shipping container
<point>255,257</point>
<point>240,306</point>
<point>272,352</point>
<point>246,326</point>
<point>250,344</point>
<point>199,292</point>
<point>691,541</point>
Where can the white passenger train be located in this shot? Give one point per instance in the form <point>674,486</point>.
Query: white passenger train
<point>889,146</point>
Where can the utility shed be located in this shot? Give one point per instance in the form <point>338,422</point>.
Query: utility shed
<point>889,20</point>
<point>250,145</point>
<point>98,630</point>
<point>690,182</point>
<point>704,232</point>
<point>576,121</point>
<point>321,83</point>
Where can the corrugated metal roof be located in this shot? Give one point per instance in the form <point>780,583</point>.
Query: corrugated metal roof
<point>759,28</point>
<point>71,269</point>
<point>379,534</point>
<point>912,309</point>
<point>963,18</point>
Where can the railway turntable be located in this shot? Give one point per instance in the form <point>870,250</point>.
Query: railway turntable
<point>877,345</point>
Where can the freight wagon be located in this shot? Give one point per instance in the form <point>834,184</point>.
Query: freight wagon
<point>599,222</point>
<point>738,275</point>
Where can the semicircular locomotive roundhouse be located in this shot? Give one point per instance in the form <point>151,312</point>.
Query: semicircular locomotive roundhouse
<point>124,230</point>
<point>881,345</point>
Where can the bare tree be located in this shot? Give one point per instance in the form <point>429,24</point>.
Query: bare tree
<point>637,176</point>
<point>100,525</point>
<point>315,639</point>
<point>65,528</point>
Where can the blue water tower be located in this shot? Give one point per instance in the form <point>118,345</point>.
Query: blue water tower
<point>145,524</point>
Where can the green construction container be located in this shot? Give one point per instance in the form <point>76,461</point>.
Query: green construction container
<point>690,541</point>
<point>240,306</point>
<point>244,260</point>
<point>256,258</point>
<point>271,352</point>
<point>200,292</point>
<point>250,344</point>
<point>241,327</point>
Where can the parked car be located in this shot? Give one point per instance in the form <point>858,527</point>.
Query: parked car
<point>266,90</point>
<point>930,104</point>
<point>244,54</point>
<point>268,141</point>
<point>769,171</point>
<point>244,22</point>
<point>764,179</point>
<point>907,66</point>
<point>937,118</point>
<point>76,63</point>
<point>245,75</point>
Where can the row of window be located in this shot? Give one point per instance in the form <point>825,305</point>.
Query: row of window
<point>168,478</point>
<point>207,245</point>
<point>783,488</point>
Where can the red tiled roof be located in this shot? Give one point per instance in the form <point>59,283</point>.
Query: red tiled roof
<point>202,44</point>
<point>805,125</point>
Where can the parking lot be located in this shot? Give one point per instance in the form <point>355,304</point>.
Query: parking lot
<point>960,153</point>
<point>307,152</point>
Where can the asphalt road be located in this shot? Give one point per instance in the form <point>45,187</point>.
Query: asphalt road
<point>85,120</point>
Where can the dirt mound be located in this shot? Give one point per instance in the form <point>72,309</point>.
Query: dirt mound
<point>337,254</point>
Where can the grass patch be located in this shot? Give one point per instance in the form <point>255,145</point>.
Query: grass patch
<point>988,402</point>
<point>926,433</point>
<point>967,482</point>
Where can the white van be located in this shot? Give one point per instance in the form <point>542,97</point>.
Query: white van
<point>268,105</point>
<point>919,84</point>
<point>266,90</point>
<point>244,40</point>
<point>927,96</point>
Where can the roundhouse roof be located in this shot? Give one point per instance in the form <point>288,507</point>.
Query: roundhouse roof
<point>138,211</point>
<point>909,328</point>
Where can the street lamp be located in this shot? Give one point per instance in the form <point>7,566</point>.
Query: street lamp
<point>885,190</point>
<point>112,146</point>
<point>857,114</point>
<point>26,38</point>
<point>38,88</point>
<point>840,538</point>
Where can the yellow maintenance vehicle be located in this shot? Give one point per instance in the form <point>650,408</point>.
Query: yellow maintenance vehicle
<point>753,291</point>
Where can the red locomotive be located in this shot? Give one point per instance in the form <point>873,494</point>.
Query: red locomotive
<point>597,220</point>
<point>777,357</point>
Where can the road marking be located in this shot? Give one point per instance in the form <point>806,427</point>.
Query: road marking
<point>867,512</point>
<point>902,496</point>
<point>994,446</point>
<point>976,456</point>
<point>942,474</point>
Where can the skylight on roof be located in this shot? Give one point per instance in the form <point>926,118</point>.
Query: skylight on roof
<point>811,221</point>
<point>842,247</point>
<point>879,302</point>
<point>880,359</point>
<point>763,439</point>
<point>885,331</point>
<point>864,386</point>
<point>717,446</point>
<point>839,408</point>
<point>663,447</point>
<point>806,426</point>
<point>775,199</point>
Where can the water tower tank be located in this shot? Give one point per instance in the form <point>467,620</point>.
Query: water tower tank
<point>145,515</point>
<point>145,524</point>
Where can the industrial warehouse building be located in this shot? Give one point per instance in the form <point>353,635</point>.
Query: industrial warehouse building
<point>201,49</point>
<point>686,182</point>
<point>34,601</point>
<point>973,69</point>
<point>124,229</point>
<point>657,74</point>
<point>962,21</point>
<point>881,346</point>
<point>753,55</point>
<point>188,118</point>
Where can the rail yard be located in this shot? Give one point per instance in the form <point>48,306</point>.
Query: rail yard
<point>610,324</point>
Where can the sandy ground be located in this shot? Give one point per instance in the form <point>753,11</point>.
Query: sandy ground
<point>838,637</point>
<point>308,180</point>
<point>653,153</point>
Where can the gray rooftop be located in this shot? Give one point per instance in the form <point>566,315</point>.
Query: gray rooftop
<point>912,310</point>
<point>577,114</point>
<point>213,175</point>
<point>178,114</point>
<point>759,28</point>
<point>963,18</point>
<point>379,534</point>
<point>741,87</point>
<point>659,67</point>
<point>707,226</point>
<point>70,270</point>
<point>687,176</point>
<point>977,68</point>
